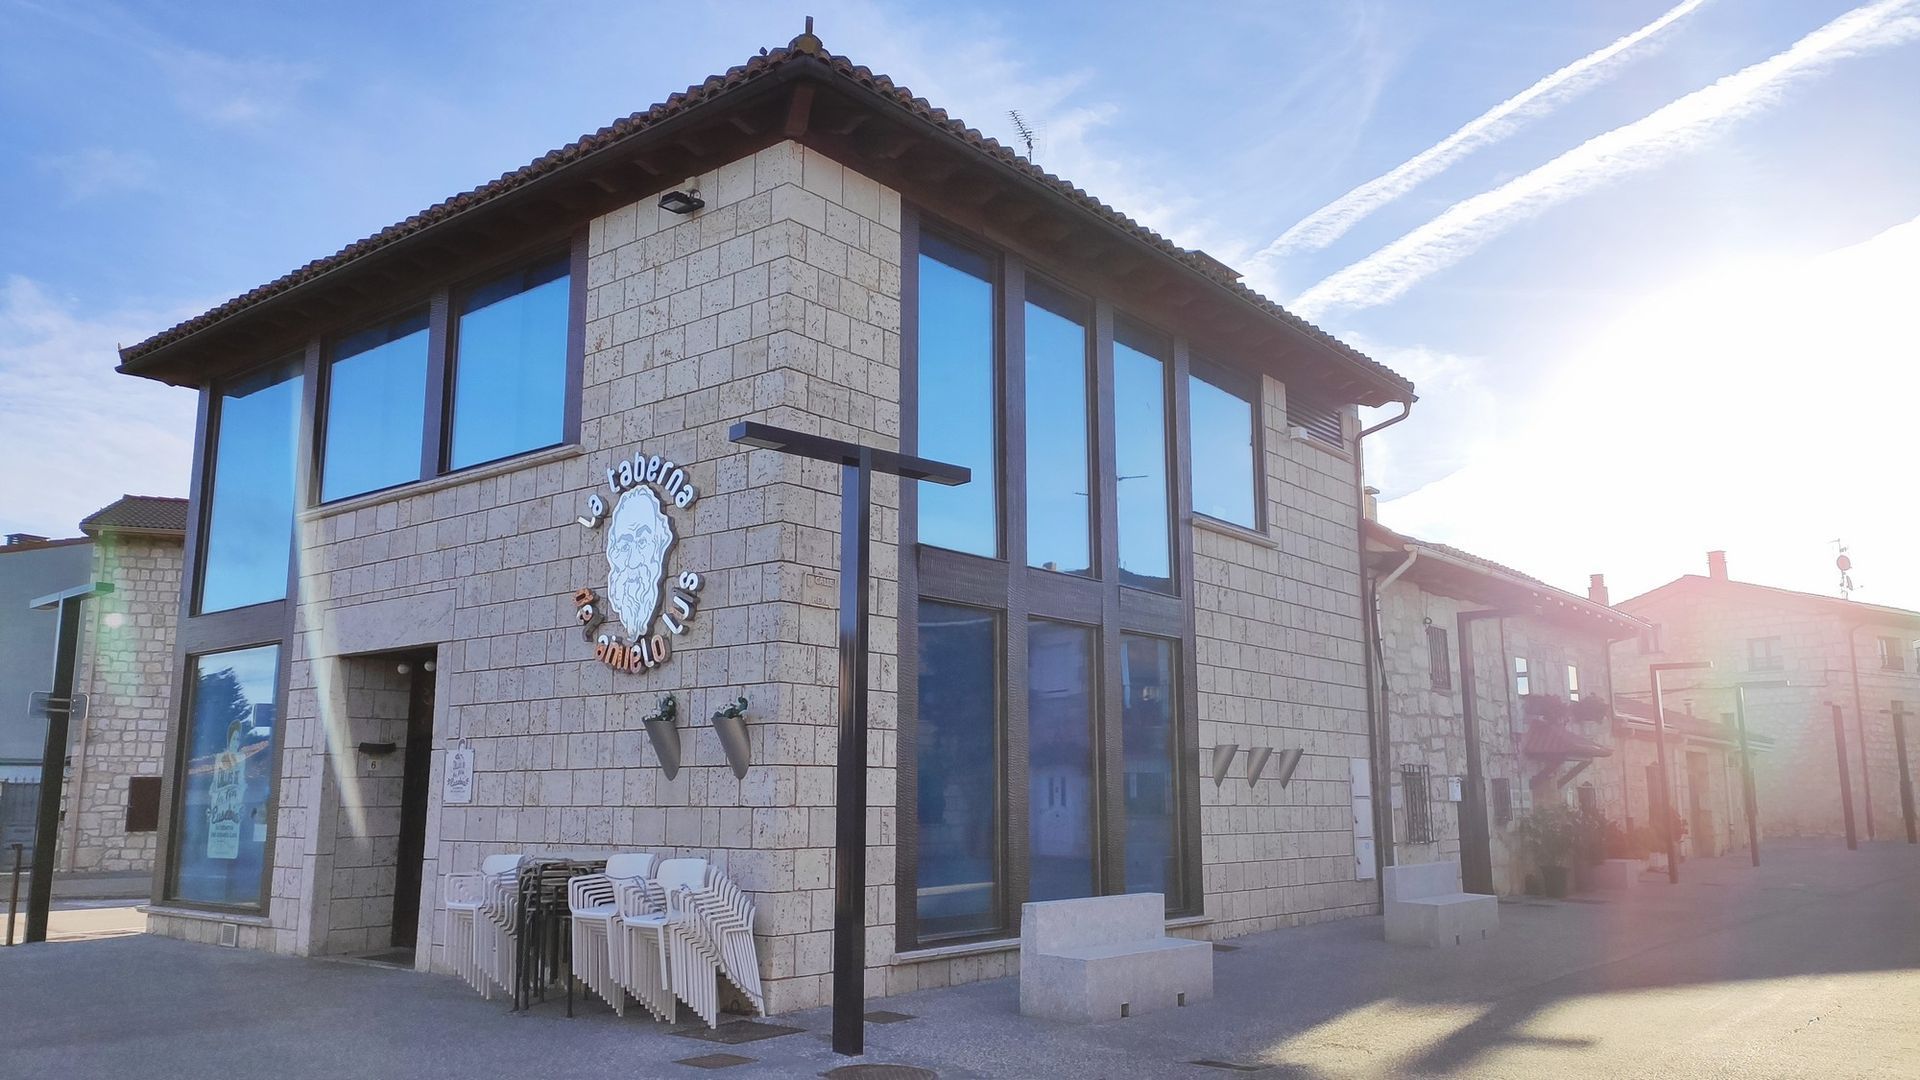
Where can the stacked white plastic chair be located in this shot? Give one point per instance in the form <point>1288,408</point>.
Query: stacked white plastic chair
<point>466,896</point>
<point>592,901</point>
<point>495,929</point>
<point>710,934</point>
<point>643,933</point>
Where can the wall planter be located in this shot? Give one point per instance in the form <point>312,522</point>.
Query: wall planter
<point>730,724</point>
<point>663,733</point>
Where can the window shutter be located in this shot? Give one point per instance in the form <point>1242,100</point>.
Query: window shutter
<point>1321,421</point>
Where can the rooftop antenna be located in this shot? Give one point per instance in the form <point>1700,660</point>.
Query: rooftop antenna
<point>1845,564</point>
<point>1025,130</point>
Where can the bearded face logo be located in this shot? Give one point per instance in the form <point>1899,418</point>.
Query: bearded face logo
<point>638,538</point>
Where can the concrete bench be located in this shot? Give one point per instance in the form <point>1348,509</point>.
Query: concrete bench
<point>1106,957</point>
<point>1424,906</point>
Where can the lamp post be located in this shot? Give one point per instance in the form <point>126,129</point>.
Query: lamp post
<point>857,466</point>
<point>59,710</point>
<point>1899,714</point>
<point>1746,759</point>
<point>1654,671</point>
<point>1846,781</point>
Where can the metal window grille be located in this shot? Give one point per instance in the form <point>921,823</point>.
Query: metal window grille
<point>1418,792</point>
<point>1439,660</point>
<point>1502,800</point>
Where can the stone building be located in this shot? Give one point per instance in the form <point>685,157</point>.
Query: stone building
<point>1703,773</point>
<point>1802,655</point>
<point>1461,641</point>
<point>30,567</point>
<point>423,462</point>
<point>111,798</point>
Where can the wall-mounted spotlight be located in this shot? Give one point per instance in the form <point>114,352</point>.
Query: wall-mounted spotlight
<point>682,202</point>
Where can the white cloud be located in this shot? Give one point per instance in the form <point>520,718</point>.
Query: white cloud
<point>231,91</point>
<point>78,435</point>
<point>1674,129</point>
<point>1330,222</point>
<point>99,170</point>
<point>1760,409</point>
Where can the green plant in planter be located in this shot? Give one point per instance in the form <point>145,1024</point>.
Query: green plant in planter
<point>1590,709</point>
<point>1596,836</point>
<point>1550,836</point>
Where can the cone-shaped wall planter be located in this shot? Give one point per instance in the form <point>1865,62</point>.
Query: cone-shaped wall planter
<point>1222,761</point>
<point>730,724</point>
<point>1257,763</point>
<point>665,736</point>
<point>1289,760</point>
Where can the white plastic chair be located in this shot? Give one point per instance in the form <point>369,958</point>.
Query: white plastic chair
<point>495,928</point>
<point>466,895</point>
<point>592,902</point>
<point>643,930</point>
<point>710,934</point>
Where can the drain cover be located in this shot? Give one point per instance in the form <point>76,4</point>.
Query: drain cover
<point>880,1072</point>
<point>737,1032</point>
<point>716,1061</point>
<point>883,1016</point>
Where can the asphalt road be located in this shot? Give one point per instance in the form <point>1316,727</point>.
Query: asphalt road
<point>1809,966</point>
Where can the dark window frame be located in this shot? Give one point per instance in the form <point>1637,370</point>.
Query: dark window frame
<point>1096,501</point>
<point>442,371</point>
<point>1249,388</point>
<point>287,365</point>
<point>430,423</point>
<point>1006,585</point>
<point>1767,659</point>
<point>1416,792</point>
<point>1500,798</point>
<point>1439,659</point>
<point>1892,656</point>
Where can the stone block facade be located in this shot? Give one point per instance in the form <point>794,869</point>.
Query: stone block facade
<point>125,668</point>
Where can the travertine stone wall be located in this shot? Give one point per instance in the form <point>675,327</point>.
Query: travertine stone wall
<point>364,825</point>
<point>1280,650</point>
<point>1797,781</point>
<point>126,669</point>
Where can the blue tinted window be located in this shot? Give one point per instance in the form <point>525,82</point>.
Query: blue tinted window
<point>1060,773</point>
<point>510,366</point>
<point>1221,430</point>
<point>957,397</point>
<point>1057,503</point>
<point>226,779</point>
<point>1147,738</point>
<point>1140,432</point>
<point>249,536</point>
<point>958,763</point>
<point>376,408</point>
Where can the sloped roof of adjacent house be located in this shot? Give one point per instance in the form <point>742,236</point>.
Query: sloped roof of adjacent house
<point>1853,611</point>
<point>153,515</point>
<point>1636,713</point>
<point>830,104</point>
<point>1490,582</point>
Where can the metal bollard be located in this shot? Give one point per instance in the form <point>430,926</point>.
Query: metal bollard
<point>13,899</point>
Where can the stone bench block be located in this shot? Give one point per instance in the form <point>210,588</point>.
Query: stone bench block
<point>1424,906</point>
<point>1103,957</point>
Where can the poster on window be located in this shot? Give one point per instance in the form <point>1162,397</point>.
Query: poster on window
<point>227,796</point>
<point>457,787</point>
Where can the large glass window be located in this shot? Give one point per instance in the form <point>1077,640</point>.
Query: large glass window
<point>1148,742</point>
<point>226,778</point>
<point>1060,771</point>
<point>1140,431</point>
<point>510,366</point>
<point>249,529</point>
<point>958,398</point>
<point>1220,425</point>
<point>958,763</point>
<point>1058,507</point>
<point>376,408</point>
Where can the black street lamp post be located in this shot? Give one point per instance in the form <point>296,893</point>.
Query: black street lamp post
<point>1654,671</point>
<point>59,710</point>
<point>857,466</point>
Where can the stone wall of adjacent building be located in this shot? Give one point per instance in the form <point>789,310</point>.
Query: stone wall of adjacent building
<point>1718,801</point>
<point>1280,650</point>
<point>1797,780</point>
<point>1425,724</point>
<point>125,668</point>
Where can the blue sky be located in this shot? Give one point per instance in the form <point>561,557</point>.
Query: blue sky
<point>1654,304</point>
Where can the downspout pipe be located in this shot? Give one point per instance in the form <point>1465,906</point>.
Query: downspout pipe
<point>1860,721</point>
<point>1370,622</point>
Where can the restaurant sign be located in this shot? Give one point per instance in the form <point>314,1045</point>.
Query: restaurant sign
<point>642,596</point>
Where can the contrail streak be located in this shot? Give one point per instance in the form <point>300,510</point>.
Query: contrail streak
<point>1652,140</point>
<point>1327,224</point>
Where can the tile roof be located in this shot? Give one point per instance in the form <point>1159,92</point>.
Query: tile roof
<point>1567,599</point>
<point>138,513</point>
<point>804,53</point>
<point>1851,609</point>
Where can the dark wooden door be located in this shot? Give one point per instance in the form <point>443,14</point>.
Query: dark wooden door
<point>418,763</point>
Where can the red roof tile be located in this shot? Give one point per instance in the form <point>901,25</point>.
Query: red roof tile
<point>138,513</point>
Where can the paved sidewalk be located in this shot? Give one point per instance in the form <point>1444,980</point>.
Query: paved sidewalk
<point>1808,966</point>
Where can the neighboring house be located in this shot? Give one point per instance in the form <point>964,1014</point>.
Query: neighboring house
<point>30,567</point>
<point>1703,766</point>
<point>1528,668</point>
<point>426,459</point>
<point>1827,652</point>
<point>111,811</point>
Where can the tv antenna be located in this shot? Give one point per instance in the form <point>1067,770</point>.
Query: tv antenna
<point>1024,129</point>
<point>1844,563</point>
